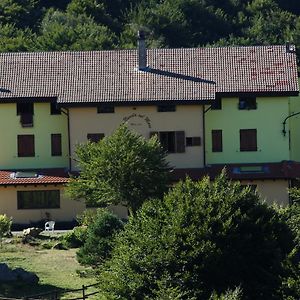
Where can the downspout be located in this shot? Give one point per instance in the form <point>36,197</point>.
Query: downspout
<point>204,111</point>
<point>69,137</point>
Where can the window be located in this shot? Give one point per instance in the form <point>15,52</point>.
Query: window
<point>24,108</point>
<point>105,109</point>
<point>216,104</point>
<point>247,102</point>
<point>171,141</point>
<point>56,144</point>
<point>248,140</point>
<point>38,199</point>
<point>95,137</point>
<point>166,108</point>
<point>25,111</point>
<point>53,109</point>
<point>26,145</point>
<point>217,141</point>
<point>193,141</point>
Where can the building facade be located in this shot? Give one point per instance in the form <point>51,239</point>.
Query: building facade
<point>233,107</point>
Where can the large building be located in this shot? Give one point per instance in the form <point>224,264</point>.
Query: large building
<point>210,107</point>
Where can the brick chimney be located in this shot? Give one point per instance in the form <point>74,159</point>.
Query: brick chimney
<point>142,51</point>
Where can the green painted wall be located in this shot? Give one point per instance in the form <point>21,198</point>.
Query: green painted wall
<point>295,128</point>
<point>267,119</point>
<point>44,125</point>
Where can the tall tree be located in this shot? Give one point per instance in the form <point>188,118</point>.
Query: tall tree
<point>123,168</point>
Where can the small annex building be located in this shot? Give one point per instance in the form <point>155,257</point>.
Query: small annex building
<point>210,107</point>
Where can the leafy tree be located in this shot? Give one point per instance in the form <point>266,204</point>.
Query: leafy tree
<point>122,168</point>
<point>21,13</point>
<point>99,238</point>
<point>62,31</point>
<point>202,238</point>
<point>15,40</point>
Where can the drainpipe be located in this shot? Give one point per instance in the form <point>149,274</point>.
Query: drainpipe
<point>69,137</point>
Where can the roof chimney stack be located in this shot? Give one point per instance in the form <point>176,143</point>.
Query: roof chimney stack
<point>142,51</point>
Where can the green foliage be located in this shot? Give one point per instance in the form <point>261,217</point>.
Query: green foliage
<point>5,225</point>
<point>100,237</point>
<point>122,168</point>
<point>63,31</point>
<point>235,294</point>
<point>76,237</point>
<point>203,238</point>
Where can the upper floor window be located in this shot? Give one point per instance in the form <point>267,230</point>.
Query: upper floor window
<point>216,104</point>
<point>26,145</point>
<point>56,149</point>
<point>24,108</point>
<point>95,137</point>
<point>54,110</point>
<point>166,107</point>
<point>105,109</point>
<point>248,102</point>
<point>248,140</point>
<point>217,141</point>
<point>171,141</point>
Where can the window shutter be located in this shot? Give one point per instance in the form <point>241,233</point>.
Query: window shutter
<point>26,145</point>
<point>56,145</point>
<point>180,141</point>
<point>217,141</point>
<point>248,140</point>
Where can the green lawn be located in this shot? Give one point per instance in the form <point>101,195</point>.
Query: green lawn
<point>57,269</point>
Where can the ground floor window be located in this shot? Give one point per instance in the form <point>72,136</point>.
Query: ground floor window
<point>171,141</point>
<point>38,199</point>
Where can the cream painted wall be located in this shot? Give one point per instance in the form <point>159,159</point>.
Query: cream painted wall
<point>68,210</point>
<point>142,119</point>
<point>271,190</point>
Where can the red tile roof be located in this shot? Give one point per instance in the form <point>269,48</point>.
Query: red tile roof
<point>194,74</point>
<point>50,176</point>
<point>281,170</point>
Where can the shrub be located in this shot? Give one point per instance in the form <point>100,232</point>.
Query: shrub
<point>76,237</point>
<point>99,238</point>
<point>5,226</point>
<point>204,237</point>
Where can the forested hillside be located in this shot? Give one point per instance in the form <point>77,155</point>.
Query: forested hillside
<point>45,25</point>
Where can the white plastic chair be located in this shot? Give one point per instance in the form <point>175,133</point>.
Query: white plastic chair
<point>49,226</point>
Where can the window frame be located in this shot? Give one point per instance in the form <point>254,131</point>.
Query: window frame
<point>53,109</point>
<point>56,144</point>
<point>20,107</point>
<point>216,104</point>
<point>30,201</point>
<point>95,137</point>
<point>217,140</point>
<point>247,103</point>
<point>21,144</point>
<point>193,141</point>
<point>178,140</point>
<point>248,140</point>
<point>166,108</point>
<point>106,109</point>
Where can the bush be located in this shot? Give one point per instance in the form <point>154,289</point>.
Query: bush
<point>100,238</point>
<point>203,237</point>
<point>76,237</point>
<point>5,226</point>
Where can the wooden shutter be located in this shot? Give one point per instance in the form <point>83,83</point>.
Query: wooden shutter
<point>248,140</point>
<point>95,137</point>
<point>26,145</point>
<point>180,141</point>
<point>56,145</point>
<point>217,141</point>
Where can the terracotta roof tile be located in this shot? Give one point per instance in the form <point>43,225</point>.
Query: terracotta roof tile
<point>192,74</point>
<point>47,176</point>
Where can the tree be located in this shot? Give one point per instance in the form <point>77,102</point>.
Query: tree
<point>122,168</point>
<point>203,238</point>
<point>100,237</point>
<point>62,32</point>
<point>5,225</point>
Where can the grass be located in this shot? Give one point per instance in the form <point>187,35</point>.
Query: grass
<point>57,269</point>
